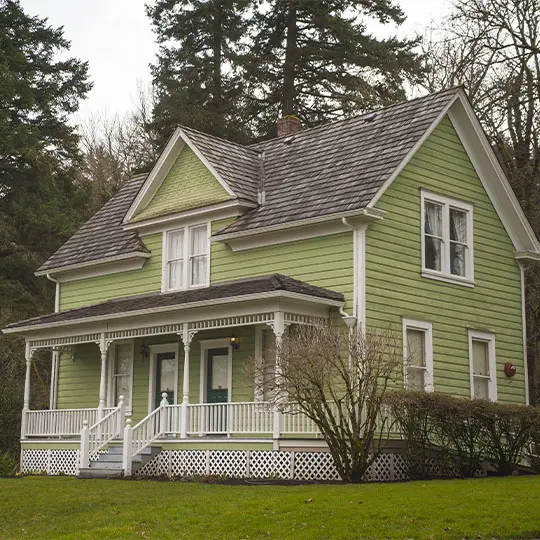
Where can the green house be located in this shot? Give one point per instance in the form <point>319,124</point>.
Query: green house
<point>399,218</point>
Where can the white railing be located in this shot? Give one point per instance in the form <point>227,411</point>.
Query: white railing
<point>230,418</point>
<point>100,434</point>
<point>149,429</point>
<point>59,422</point>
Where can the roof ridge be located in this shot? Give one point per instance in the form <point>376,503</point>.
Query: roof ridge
<point>357,117</point>
<point>221,139</point>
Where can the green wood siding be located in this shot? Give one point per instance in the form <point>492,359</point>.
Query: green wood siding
<point>78,381</point>
<point>188,185</point>
<point>88,291</point>
<point>326,261</point>
<point>396,289</point>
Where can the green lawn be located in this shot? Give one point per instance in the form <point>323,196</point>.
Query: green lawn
<point>48,507</point>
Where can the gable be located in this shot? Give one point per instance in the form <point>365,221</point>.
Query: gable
<point>188,184</point>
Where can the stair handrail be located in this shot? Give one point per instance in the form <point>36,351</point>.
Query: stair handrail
<point>100,434</point>
<point>142,435</point>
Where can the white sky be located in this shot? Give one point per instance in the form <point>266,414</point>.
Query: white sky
<point>115,37</point>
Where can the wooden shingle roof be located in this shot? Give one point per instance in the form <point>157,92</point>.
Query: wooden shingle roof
<point>330,169</point>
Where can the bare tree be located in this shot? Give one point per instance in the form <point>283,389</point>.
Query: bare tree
<point>338,379</point>
<point>493,48</point>
<point>116,148</point>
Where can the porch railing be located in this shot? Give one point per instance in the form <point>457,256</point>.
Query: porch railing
<point>59,422</point>
<point>100,434</point>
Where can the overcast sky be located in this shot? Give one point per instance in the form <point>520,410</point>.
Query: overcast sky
<point>115,37</point>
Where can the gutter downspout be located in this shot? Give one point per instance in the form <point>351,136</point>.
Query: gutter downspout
<point>359,273</point>
<point>55,354</point>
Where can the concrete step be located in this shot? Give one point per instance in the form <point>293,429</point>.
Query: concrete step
<point>100,473</point>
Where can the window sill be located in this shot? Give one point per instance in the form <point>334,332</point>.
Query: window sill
<point>164,291</point>
<point>464,282</point>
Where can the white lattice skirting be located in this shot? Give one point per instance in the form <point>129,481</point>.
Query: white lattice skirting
<point>231,463</point>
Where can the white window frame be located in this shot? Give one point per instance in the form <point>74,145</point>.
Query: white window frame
<point>427,328</point>
<point>112,361</point>
<point>186,229</point>
<point>475,335</point>
<point>445,274</point>
<point>152,373</point>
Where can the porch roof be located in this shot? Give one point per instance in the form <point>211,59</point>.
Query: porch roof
<point>240,289</point>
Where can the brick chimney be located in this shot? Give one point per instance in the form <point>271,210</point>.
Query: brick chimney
<point>288,125</point>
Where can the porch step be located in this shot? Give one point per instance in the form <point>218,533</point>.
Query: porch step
<point>109,464</point>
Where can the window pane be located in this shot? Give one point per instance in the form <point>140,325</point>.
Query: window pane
<point>121,388</point>
<point>480,354</point>
<point>199,240</point>
<point>481,388</point>
<point>458,226</point>
<point>415,379</point>
<point>416,352</point>
<point>433,253</point>
<point>433,219</point>
<point>198,270</point>
<point>219,372</point>
<point>175,245</point>
<point>122,360</point>
<point>457,259</point>
<point>167,372</point>
<point>176,271</point>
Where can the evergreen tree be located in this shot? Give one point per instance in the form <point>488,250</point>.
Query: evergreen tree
<point>315,59</point>
<point>196,77</point>
<point>39,201</point>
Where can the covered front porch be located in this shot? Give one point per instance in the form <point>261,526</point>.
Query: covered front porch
<point>146,370</point>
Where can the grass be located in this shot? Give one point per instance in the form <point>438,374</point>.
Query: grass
<point>61,507</point>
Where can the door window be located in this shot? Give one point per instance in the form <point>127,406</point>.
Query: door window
<point>123,359</point>
<point>217,390</point>
<point>166,376</point>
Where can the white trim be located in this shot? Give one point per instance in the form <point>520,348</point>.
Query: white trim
<point>206,345</point>
<point>186,257</point>
<point>179,307</point>
<point>154,350</point>
<point>448,203</point>
<point>427,328</point>
<point>111,402</point>
<point>365,214</point>
<point>163,166</point>
<point>95,268</point>
<point>475,335</point>
<point>413,151</point>
<point>524,333</point>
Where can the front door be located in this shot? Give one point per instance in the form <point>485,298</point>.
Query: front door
<point>217,376</point>
<point>165,376</point>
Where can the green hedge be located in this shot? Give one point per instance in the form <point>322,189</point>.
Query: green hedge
<point>465,435</point>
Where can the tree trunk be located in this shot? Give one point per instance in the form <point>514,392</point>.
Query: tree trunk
<point>217,56</point>
<point>289,68</point>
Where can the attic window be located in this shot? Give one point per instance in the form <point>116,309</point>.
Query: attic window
<point>447,239</point>
<point>185,260</point>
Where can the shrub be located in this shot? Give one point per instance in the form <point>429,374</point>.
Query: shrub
<point>412,412</point>
<point>511,430</point>
<point>9,464</point>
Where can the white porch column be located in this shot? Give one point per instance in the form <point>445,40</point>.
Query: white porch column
<point>104,349</point>
<point>187,337</point>
<point>54,378</point>
<point>279,329</point>
<point>26,407</point>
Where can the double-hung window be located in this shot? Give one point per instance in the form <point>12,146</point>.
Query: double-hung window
<point>482,365</point>
<point>447,239</point>
<point>186,258</point>
<point>418,355</point>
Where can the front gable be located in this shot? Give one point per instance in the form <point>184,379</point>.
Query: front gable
<point>188,185</point>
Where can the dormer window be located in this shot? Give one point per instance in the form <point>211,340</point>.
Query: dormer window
<point>186,258</point>
<point>447,233</point>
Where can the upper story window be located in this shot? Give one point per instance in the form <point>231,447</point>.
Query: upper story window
<point>186,258</point>
<point>447,239</point>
